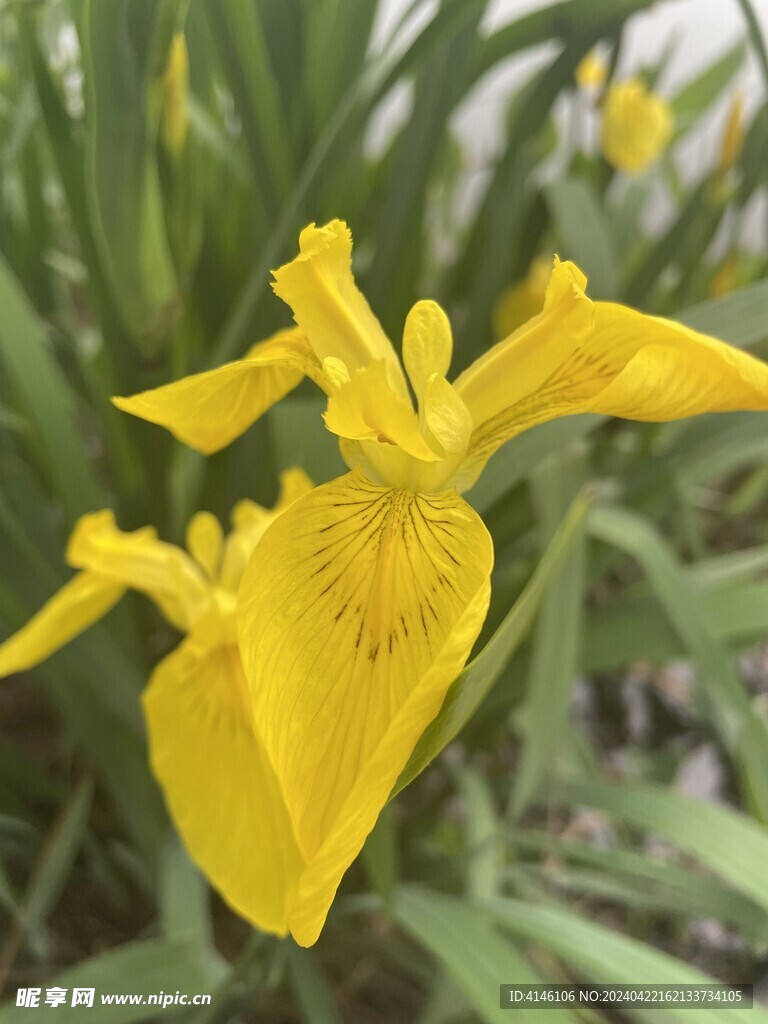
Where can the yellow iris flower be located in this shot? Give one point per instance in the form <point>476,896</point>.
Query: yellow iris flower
<point>218,782</point>
<point>362,602</point>
<point>636,126</point>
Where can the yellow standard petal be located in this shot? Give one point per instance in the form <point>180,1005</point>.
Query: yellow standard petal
<point>329,307</point>
<point>218,783</point>
<point>358,609</point>
<point>84,600</point>
<point>636,127</point>
<point>209,410</point>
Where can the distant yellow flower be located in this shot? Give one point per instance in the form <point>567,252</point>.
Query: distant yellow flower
<point>591,71</point>
<point>733,136</point>
<point>636,127</point>
<point>724,279</point>
<point>174,119</point>
<point>217,780</point>
<point>362,602</point>
<point>523,300</point>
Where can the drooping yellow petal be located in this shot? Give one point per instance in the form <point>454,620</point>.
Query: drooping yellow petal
<point>366,409</point>
<point>219,786</point>
<point>617,362</point>
<point>636,127</point>
<point>329,307</point>
<point>85,599</point>
<point>142,562</point>
<point>209,410</point>
<point>356,612</point>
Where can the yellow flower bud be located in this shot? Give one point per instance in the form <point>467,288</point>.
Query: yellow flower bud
<point>733,136</point>
<point>637,126</point>
<point>591,71</point>
<point>175,116</point>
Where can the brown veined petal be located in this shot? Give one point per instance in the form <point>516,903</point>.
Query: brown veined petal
<point>358,609</point>
<point>209,410</point>
<point>85,599</point>
<point>220,789</point>
<point>328,306</point>
<point>140,561</point>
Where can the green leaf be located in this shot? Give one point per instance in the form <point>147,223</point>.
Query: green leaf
<point>729,843</point>
<point>727,705</point>
<point>600,954</point>
<point>310,988</point>
<point>47,400</point>
<point>476,957</point>
<point>698,95</point>
<point>481,826</point>
<point>142,969</point>
<point>57,861</point>
<point>542,718</point>
<point>467,692</point>
<point>380,856</point>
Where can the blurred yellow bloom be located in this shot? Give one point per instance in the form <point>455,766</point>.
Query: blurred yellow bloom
<point>174,119</point>
<point>362,602</point>
<point>217,779</point>
<point>523,300</point>
<point>636,126</point>
<point>591,71</point>
<point>724,279</point>
<point>733,136</point>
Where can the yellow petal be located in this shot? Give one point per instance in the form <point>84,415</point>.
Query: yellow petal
<point>205,542</point>
<point>81,602</point>
<point>502,388</point>
<point>366,409</point>
<point>427,344</point>
<point>142,562</point>
<point>250,522</point>
<point>658,370</point>
<point>446,415</point>
<point>636,127</point>
<point>209,410</point>
<point>358,609</point>
<point>220,789</point>
<point>327,304</point>
<point>629,365</point>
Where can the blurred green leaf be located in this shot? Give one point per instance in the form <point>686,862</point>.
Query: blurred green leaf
<point>698,95</point>
<point>732,845</point>
<point>585,234</point>
<point>310,987</point>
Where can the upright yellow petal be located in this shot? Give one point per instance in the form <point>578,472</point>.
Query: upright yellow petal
<point>81,602</point>
<point>636,128</point>
<point>209,410</point>
<point>427,345</point>
<point>142,562</point>
<point>205,542</point>
<point>358,609</point>
<point>220,789</point>
<point>329,307</point>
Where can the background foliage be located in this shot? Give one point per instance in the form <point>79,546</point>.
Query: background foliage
<point>625,841</point>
